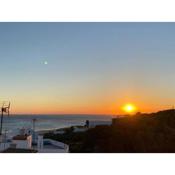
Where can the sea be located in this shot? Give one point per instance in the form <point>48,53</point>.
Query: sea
<point>13,123</point>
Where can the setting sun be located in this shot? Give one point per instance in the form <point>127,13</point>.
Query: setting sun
<point>129,108</point>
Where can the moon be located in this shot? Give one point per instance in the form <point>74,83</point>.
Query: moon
<point>45,62</point>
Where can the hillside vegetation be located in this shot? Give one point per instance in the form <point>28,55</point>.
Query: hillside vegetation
<point>141,133</point>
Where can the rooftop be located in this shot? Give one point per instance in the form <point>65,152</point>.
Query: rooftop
<point>20,137</point>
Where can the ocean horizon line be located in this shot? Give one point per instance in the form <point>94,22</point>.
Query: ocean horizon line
<point>79,114</point>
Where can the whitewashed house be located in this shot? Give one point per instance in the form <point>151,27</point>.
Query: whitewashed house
<point>93,124</point>
<point>79,129</point>
<point>24,142</point>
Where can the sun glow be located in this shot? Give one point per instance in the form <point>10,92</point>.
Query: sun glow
<point>129,108</point>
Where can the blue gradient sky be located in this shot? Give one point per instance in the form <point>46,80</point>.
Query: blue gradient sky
<point>92,67</point>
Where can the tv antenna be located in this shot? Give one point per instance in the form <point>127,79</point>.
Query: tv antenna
<point>5,108</point>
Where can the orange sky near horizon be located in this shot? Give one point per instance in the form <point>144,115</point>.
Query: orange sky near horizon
<point>42,110</point>
<point>92,100</point>
<point>51,107</point>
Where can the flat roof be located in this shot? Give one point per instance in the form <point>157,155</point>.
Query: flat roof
<point>20,137</point>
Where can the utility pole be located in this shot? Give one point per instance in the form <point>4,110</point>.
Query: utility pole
<point>34,122</point>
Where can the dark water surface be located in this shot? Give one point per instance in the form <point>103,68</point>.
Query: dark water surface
<point>46,122</point>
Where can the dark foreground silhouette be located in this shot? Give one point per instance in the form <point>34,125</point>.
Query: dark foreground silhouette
<point>142,133</point>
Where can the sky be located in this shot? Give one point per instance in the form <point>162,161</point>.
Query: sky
<point>87,68</point>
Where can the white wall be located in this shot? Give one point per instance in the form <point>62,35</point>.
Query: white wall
<point>65,147</point>
<point>4,146</point>
<point>24,144</point>
<point>80,129</point>
<point>93,124</point>
<point>59,132</point>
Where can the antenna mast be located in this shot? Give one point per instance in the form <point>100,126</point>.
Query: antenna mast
<point>5,108</point>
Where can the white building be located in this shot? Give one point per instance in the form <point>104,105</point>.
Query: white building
<point>4,145</point>
<point>22,141</point>
<point>93,124</point>
<point>59,132</point>
<point>80,129</point>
